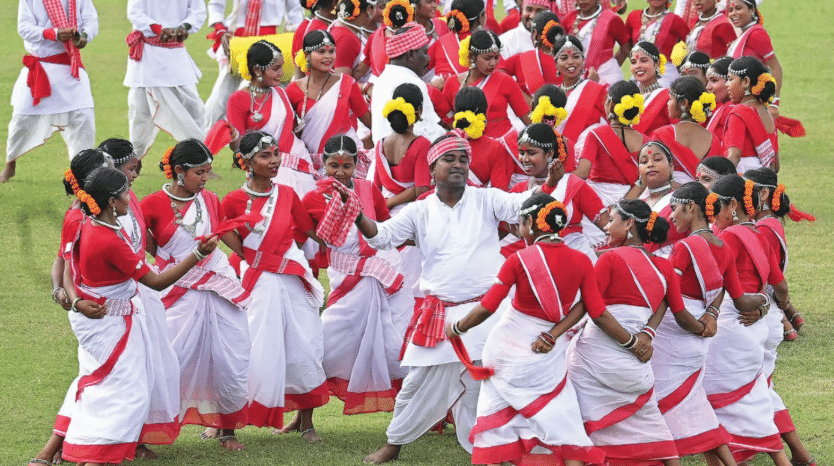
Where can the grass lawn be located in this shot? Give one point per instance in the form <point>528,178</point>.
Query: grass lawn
<point>39,350</point>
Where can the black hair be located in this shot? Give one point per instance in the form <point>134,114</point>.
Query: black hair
<point>561,43</point>
<point>542,135</point>
<point>650,49</point>
<point>191,152</point>
<point>472,9</point>
<point>689,88</point>
<point>248,142</point>
<point>261,54</point>
<point>346,9</point>
<point>621,89</point>
<point>471,98</point>
<point>752,68</point>
<point>337,143</point>
<point>556,219</point>
<point>642,211</point>
<point>313,39</point>
<point>766,178</point>
<point>698,60</point>
<point>695,192</point>
<point>120,149</point>
<point>397,16</point>
<point>663,148</point>
<point>541,20</point>
<point>721,165</point>
<point>82,165</point>
<point>555,93</point>
<point>102,184</point>
<point>483,40</point>
<point>729,187</point>
<point>317,5</point>
<point>412,95</point>
<point>721,65</point>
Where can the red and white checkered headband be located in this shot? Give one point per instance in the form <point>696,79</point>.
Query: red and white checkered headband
<point>543,3</point>
<point>448,144</point>
<point>412,39</point>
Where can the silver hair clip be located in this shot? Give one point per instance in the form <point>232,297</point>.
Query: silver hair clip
<point>568,45</point>
<point>265,142</point>
<point>675,96</point>
<point>637,48</point>
<point>679,201</point>
<point>276,54</point>
<point>526,139</point>
<point>529,210</point>
<point>707,171</point>
<point>325,41</point>
<point>341,149</point>
<point>761,184</point>
<point>736,72</point>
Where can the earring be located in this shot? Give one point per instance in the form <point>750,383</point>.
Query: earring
<point>747,92</point>
<point>180,179</point>
<point>115,214</point>
<point>735,216</point>
<point>260,78</point>
<point>629,235</point>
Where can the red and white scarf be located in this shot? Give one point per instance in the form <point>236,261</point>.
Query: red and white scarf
<point>60,19</point>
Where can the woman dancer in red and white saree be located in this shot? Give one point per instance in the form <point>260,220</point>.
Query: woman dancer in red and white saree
<point>657,25</point>
<point>754,41</point>
<point>113,391</point>
<point>465,17</point>
<point>616,389</point>
<point>285,372</point>
<point>206,310</point>
<point>690,143</point>
<point>366,315</point>
<point>585,104</point>
<point>534,68</point>
<point>734,382</point>
<point>717,80</point>
<point>598,29</point>
<point>326,104</point>
<point>530,388</point>
<point>264,106</point>
<point>708,274</point>
<point>647,66</point>
<point>711,32</point>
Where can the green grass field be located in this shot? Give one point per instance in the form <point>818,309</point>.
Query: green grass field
<point>39,350</point>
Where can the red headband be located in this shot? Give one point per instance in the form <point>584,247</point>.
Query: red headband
<point>451,143</point>
<point>412,39</point>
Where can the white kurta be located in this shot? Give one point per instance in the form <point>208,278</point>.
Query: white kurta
<point>515,41</point>
<point>273,13</point>
<point>384,85</point>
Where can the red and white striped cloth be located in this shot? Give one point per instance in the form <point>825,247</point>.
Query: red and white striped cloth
<point>451,143</point>
<point>412,39</point>
<point>338,216</point>
<point>136,41</point>
<point>253,18</point>
<point>60,19</point>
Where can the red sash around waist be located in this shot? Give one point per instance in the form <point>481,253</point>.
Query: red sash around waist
<point>136,41</point>
<point>37,80</point>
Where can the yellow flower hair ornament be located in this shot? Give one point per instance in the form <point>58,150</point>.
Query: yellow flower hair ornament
<point>547,27</point>
<point>477,123</point>
<point>87,199</point>
<point>776,203</point>
<point>697,112</point>
<point>399,104</point>
<point>710,201</point>
<point>463,52</point>
<point>651,222</point>
<point>627,103</point>
<point>166,163</point>
<point>457,15</point>
<point>545,108</point>
<point>748,197</point>
<point>243,67</point>
<point>386,13</point>
<point>301,61</point>
<point>541,218</point>
<point>763,79</point>
<point>70,177</point>
<point>662,64</point>
<point>679,53</point>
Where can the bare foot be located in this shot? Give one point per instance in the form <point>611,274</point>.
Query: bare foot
<point>387,453</point>
<point>311,436</point>
<point>38,461</point>
<point>142,451</point>
<point>294,425</point>
<point>56,459</point>
<point>8,172</point>
<point>230,442</point>
<point>210,433</point>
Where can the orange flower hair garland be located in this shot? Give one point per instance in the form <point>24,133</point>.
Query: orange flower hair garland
<point>777,197</point>
<point>70,177</point>
<point>343,13</point>
<point>166,163</point>
<point>651,222</point>
<point>457,15</point>
<point>545,41</point>
<point>541,218</point>
<point>712,198</point>
<point>241,164</point>
<point>560,143</point>
<point>386,13</point>
<point>87,199</point>
<point>761,81</point>
<point>748,197</point>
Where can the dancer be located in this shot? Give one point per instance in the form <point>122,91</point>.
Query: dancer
<point>548,106</point>
<point>733,379</point>
<point>712,32</point>
<point>161,75</point>
<point>113,396</point>
<point>512,419</point>
<point>713,168</point>
<point>285,372</point>
<point>321,17</point>
<point>717,80</point>
<point>56,96</point>
<point>750,132</point>
<point>607,364</point>
<point>348,33</point>
<point>656,25</point>
<point>647,66</point>
<point>535,67</point>
<point>518,40</point>
<point>206,310</point>
<point>367,311</point>
<point>696,64</point>
<point>465,17</point>
<point>437,381</point>
<point>585,103</point>
<point>492,166</point>
<point>326,103</point>
<point>598,30</point>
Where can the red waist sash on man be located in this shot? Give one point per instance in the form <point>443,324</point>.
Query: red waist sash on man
<point>136,41</point>
<point>37,80</point>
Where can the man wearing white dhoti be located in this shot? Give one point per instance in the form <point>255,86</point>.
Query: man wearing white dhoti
<point>161,75</point>
<point>454,228</point>
<point>52,92</point>
<point>247,18</point>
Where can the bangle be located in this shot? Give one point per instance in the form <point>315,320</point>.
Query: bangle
<point>630,343</point>
<point>548,338</point>
<point>456,329</point>
<point>715,308</point>
<point>359,218</point>
<point>74,302</point>
<point>199,255</point>
<point>714,315</point>
<point>649,331</point>
<point>639,182</point>
<point>55,295</point>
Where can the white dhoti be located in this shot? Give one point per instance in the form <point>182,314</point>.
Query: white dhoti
<point>748,163</point>
<point>775,335</point>
<point>176,110</point>
<point>77,127</point>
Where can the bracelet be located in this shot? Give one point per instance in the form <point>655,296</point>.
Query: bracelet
<point>74,302</point>
<point>714,315</point>
<point>456,329</point>
<point>200,256</point>
<point>715,308</point>
<point>548,338</point>
<point>649,331</point>
<point>359,218</point>
<point>639,182</point>
<point>630,343</point>
<point>55,295</point>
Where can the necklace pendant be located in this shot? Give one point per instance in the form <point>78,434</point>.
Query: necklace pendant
<point>257,116</point>
<point>300,126</point>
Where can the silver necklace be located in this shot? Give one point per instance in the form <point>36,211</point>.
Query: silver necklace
<point>645,20</point>
<point>269,208</point>
<point>301,122</point>
<point>552,237</point>
<point>167,189</point>
<point>257,116</point>
<point>700,230</point>
<point>573,86</point>
<point>115,227</point>
<point>325,20</point>
<point>591,16</point>
<point>650,89</point>
<point>661,189</point>
<point>198,217</point>
<point>707,20</point>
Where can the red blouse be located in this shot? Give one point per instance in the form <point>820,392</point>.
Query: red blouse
<point>724,257</point>
<point>234,205</point>
<point>617,33</point>
<point>675,31</point>
<point>580,276</point>
<point>603,168</point>
<point>106,259</point>
<point>413,167</point>
<point>348,46</point>
<point>737,131</point>
<point>356,101</point>
<point>239,114</point>
<point>69,230</point>
<point>617,285</point>
<point>490,162</point>
<point>747,274</point>
<point>515,65</point>
<point>501,91</point>
<point>158,214</point>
